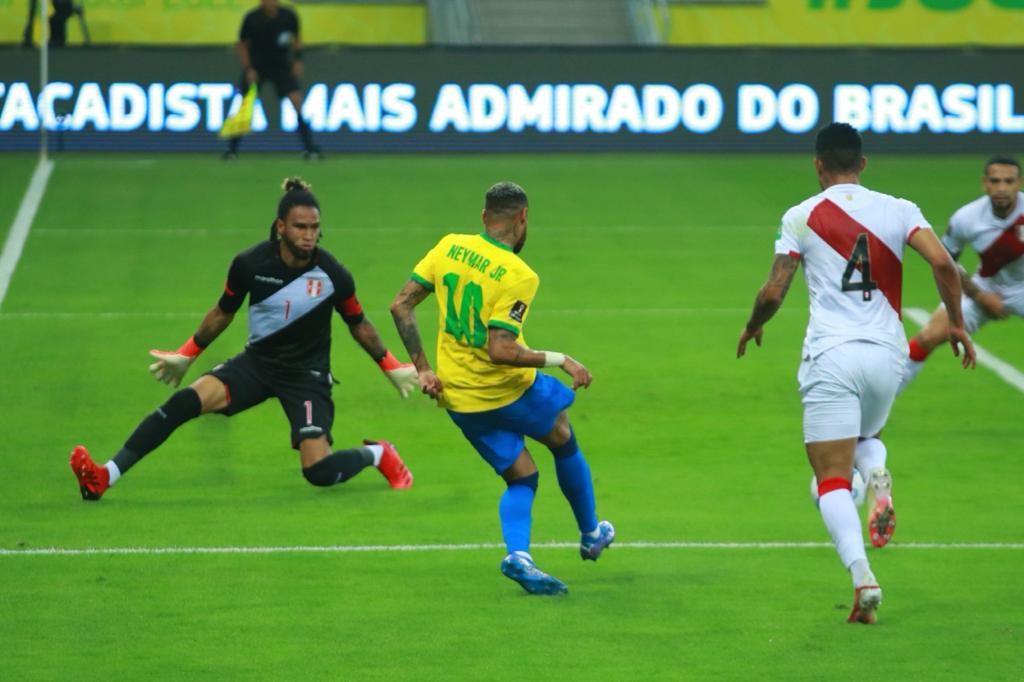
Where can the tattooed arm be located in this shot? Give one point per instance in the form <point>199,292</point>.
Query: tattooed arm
<point>403,310</point>
<point>365,334</point>
<point>769,300</point>
<point>947,280</point>
<point>503,348</point>
<point>991,303</point>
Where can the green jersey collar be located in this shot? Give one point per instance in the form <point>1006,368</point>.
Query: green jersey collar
<point>492,240</point>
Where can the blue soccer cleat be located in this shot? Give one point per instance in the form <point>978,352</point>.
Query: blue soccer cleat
<point>535,581</point>
<point>591,548</point>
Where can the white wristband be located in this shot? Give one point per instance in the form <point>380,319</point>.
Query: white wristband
<point>553,359</point>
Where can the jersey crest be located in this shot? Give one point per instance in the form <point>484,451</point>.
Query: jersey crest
<point>517,311</point>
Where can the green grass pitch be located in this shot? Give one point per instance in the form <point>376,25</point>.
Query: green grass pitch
<point>648,266</point>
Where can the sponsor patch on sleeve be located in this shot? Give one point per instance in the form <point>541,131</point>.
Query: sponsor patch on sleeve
<point>517,311</point>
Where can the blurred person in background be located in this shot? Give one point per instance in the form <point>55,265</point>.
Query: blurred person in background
<point>270,50</point>
<point>992,225</point>
<point>62,11</point>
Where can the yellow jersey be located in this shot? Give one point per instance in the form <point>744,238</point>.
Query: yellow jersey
<point>479,283</point>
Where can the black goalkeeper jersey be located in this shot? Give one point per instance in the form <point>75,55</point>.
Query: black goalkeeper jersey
<point>290,309</point>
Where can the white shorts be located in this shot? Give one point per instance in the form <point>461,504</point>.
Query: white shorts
<point>975,318</point>
<point>848,390</point>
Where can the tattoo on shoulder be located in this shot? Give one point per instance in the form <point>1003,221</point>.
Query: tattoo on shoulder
<point>415,292</point>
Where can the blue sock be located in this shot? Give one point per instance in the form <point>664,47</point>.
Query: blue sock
<point>574,480</point>
<point>515,512</point>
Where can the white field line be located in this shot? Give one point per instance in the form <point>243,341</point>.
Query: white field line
<point>197,315</point>
<point>22,223</point>
<point>1004,370</point>
<point>355,549</point>
<point>116,163</point>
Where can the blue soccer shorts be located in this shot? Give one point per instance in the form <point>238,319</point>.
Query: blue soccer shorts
<point>498,435</point>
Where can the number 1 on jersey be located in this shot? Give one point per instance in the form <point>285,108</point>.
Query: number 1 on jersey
<point>860,259</point>
<point>466,323</point>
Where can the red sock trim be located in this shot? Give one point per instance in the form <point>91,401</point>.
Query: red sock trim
<point>917,353</point>
<point>834,483</point>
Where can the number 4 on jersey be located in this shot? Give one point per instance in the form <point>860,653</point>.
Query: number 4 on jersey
<point>860,259</point>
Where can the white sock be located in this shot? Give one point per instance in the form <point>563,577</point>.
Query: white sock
<point>525,555</point>
<point>378,452</point>
<point>869,455</point>
<point>861,573</point>
<point>840,516</point>
<point>910,371</point>
<point>115,473</point>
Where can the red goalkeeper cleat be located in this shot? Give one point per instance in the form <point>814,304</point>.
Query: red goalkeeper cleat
<point>392,466</point>
<point>93,480</point>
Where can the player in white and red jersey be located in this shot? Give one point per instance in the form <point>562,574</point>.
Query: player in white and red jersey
<point>851,242</point>
<point>992,225</point>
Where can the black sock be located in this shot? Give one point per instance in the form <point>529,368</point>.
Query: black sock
<point>338,467</point>
<point>125,459</point>
<point>155,428</point>
<point>307,136</point>
<point>233,143</point>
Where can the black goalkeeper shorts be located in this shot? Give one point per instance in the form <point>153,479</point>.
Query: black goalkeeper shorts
<point>305,395</point>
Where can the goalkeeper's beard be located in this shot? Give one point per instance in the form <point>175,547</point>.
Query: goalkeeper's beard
<point>297,251</point>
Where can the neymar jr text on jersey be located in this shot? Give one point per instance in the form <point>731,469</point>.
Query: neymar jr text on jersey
<point>475,260</point>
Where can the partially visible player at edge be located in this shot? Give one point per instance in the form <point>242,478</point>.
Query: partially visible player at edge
<point>293,287</point>
<point>488,379</point>
<point>851,242</point>
<point>993,225</point>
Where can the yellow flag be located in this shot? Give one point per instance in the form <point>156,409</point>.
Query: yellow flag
<point>241,123</point>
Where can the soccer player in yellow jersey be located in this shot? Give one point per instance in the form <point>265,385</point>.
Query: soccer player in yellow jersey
<point>487,377</point>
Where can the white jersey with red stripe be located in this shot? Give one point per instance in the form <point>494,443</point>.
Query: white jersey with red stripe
<point>998,241</point>
<point>851,242</point>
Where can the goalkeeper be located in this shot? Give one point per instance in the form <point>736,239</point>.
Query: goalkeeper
<point>293,287</point>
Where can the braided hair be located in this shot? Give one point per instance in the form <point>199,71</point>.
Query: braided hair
<point>297,192</point>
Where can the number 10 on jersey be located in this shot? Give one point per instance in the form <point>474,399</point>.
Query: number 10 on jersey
<point>466,323</point>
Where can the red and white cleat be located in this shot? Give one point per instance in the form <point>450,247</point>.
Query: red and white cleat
<point>392,466</point>
<point>866,600</point>
<point>882,519</point>
<point>93,480</point>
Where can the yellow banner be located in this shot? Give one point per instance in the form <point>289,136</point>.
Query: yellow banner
<point>830,23</point>
<point>216,22</point>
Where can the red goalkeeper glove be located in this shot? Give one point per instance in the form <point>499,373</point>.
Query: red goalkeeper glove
<point>401,374</point>
<point>170,366</point>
